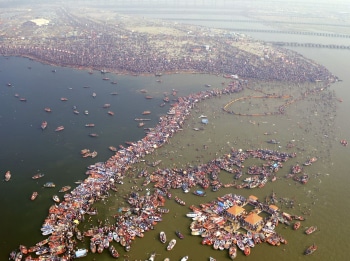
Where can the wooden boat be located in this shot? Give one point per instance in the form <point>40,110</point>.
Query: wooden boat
<point>310,230</point>
<point>65,188</point>
<point>171,244</point>
<point>113,251</point>
<point>43,125</point>
<point>112,148</point>
<point>89,125</point>
<point>34,195</point>
<point>93,135</point>
<point>162,237</point>
<point>141,124</point>
<point>56,198</point>
<point>7,175</point>
<point>106,105</point>
<point>110,113</point>
<point>310,249</point>
<point>80,253</point>
<point>232,251</point>
<point>247,250</point>
<point>64,99</point>
<point>296,225</point>
<point>23,99</point>
<point>59,128</point>
<point>148,97</point>
<point>49,185</point>
<point>38,176</point>
<point>200,193</point>
<point>180,201</point>
<point>179,234</point>
<point>47,109</point>
<point>146,112</point>
<point>93,154</point>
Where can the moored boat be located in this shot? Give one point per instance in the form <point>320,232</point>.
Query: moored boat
<point>89,125</point>
<point>65,188</point>
<point>112,148</point>
<point>146,112</point>
<point>171,244</point>
<point>185,258</point>
<point>113,251</point>
<point>93,135</point>
<point>47,109</point>
<point>232,251</point>
<point>56,198</point>
<point>110,113</point>
<point>81,252</point>
<point>310,249</point>
<point>162,237</point>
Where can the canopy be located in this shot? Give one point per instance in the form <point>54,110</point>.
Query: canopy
<point>253,219</point>
<point>235,210</point>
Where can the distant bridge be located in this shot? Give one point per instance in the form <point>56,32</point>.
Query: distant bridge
<point>288,32</point>
<point>311,45</point>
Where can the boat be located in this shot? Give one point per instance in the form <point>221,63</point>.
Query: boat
<point>148,97</point>
<point>93,247</point>
<point>113,251</point>
<point>171,244</point>
<point>112,148</point>
<point>141,124</point>
<point>200,193</point>
<point>146,112</point>
<point>180,201</point>
<point>110,113</point>
<point>89,125</point>
<point>59,128</point>
<point>49,185</point>
<point>47,109</point>
<point>232,251</point>
<point>81,252</point>
<point>185,258</point>
<point>64,99</point>
<point>296,225</point>
<point>93,135</point>
<point>114,93</point>
<point>56,198</point>
<point>310,249</point>
<point>247,250</point>
<point>310,230</point>
<point>93,154</point>
<point>76,112</point>
<point>65,188</point>
<point>86,112</point>
<point>162,237</point>
<point>43,125</point>
<point>179,234</point>
<point>273,141</point>
<point>34,195</point>
<point>94,94</point>
<point>106,105</point>
<point>152,257</point>
<point>23,99</point>
<point>7,175</point>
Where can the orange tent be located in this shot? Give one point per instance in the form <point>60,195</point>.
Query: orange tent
<point>235,210</point>
<point>253,219</point>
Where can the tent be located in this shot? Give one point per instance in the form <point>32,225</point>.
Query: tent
<point>235,210</point>
<point>253,219</point>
